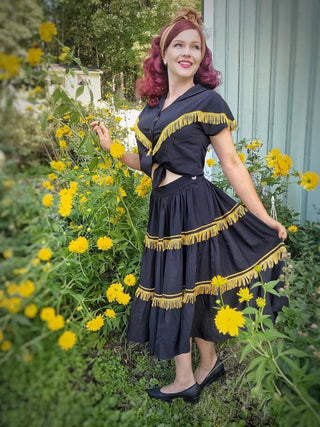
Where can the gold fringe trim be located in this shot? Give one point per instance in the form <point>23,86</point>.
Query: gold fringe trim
<point>184,120</point>
<point>141,136</point>
<point>192,117</point>
<point>242,278</point>
<point>197,235</point>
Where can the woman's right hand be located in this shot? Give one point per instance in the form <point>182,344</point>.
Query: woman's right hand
<point>103,134</point>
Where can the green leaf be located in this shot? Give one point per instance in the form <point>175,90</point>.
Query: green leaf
<point>296,352</point>
<point>255,285</point>
<point>247,349</point>
<point>250,310</point>
<point>93,163</point>
<point>79,91</point>
<point>272,334</point>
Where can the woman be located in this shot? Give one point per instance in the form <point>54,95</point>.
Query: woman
<point>195,231</point>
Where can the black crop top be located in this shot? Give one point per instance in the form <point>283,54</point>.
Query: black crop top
<point>177,137</point>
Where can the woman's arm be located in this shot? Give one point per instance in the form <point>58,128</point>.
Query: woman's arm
<point>239,178</point>
<point>130,159</point>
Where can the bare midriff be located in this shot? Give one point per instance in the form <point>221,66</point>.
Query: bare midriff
<point>170,176</point>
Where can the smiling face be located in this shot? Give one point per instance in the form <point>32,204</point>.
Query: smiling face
<point>183,55</point>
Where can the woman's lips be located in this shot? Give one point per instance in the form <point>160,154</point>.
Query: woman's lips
<point>185,64</point>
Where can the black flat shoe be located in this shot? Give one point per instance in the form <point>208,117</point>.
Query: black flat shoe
<point>190,395</point>
<point>216,372</point>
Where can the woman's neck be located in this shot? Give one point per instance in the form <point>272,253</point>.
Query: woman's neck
<point>177,90</point>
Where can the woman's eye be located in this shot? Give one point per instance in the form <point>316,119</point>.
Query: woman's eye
<point>177,45</point>
<point>197,47</point>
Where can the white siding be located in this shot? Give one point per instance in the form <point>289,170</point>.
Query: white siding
<point>269,54</point>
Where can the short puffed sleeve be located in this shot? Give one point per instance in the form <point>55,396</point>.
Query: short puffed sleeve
<point>216,114</point>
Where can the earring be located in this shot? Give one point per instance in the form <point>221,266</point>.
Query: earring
<point>165,62</point>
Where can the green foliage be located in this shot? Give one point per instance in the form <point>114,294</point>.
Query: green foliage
<point>112,35</point>
<point>284,366</point>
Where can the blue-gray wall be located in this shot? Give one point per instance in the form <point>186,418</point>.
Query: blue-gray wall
<point>269,54</point>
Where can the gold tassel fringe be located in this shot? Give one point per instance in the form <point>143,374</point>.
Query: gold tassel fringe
<point>197,235</point>
<point>237,280</point>
<point>184,120</point>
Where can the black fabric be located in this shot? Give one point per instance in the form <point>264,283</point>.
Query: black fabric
<point>184,151</point>
<point>195,231</point>
<point>183,205</point>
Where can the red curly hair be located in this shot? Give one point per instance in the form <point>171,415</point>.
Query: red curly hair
<point>155,81</point>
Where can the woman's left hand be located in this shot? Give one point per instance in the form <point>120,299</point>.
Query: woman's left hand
<point>278,227</point>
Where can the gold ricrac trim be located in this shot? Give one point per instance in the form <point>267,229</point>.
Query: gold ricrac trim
<point>184,120</point>
<point>197,235</point>
<point>242,278</point>
<point>141,136</point>
<point>192,117</point>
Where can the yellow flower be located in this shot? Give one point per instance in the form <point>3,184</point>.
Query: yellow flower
<point>79,245</point>
<point>261,302</point>
<point>104,243</point>
<point>293,228</point>
<point>52,176</point>
<point>117,150</point>
<point>34,56</point>
<point>309,180</point>
<point>47,185</point>
<point>63,56</point>
<point>36,262</point>
<point>272,157</point>
<point>55,323</point>
<point>229,320</point>
<point>242,157</point>
<point>20,271</point>
<point>47,30</point>
<point>12,289</point>
<point>110,313</point>
<point>8,253</point>
<point>256,143</point>
<point>59,166</point>
<point>47,313</point>
<point>63,144</point>
<point>123,298</point>
<point>45,254</point>
<point>244,295</point>
<point>9,66</point>
<point>1,335</point>
<point>47,200</point>
<point>67,340</point>
<point>218,281</point>
<point>113,291</point>
<point>27,288</point>
<point>257,268</point>
<point>108,180</point>
<point>95,178</point>
<point>129,280</point>
<point>210,162</point>
<point>13,304</point>
<point>118,119</point>
<point>282,166</point>
<point>122,192</point>
<point>31,311</point>
<point>6,345</point>
<point>95,324</point>
<point>81,133</point>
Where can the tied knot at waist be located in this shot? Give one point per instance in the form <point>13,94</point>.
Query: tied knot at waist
<point>160,173</point>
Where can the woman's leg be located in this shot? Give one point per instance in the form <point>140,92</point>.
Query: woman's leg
<point>184,374</point>
<point>208,358</point>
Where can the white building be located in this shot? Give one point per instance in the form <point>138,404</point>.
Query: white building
<point>73,79</point>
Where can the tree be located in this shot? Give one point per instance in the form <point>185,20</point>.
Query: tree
<point>112,35</point>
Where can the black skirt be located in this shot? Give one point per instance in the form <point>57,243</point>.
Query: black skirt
<point>196,232</point>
